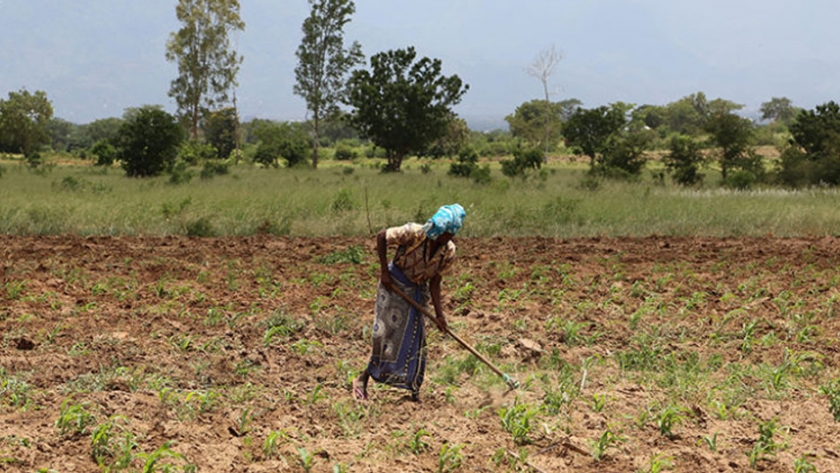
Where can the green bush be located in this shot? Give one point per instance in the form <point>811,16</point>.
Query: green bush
<point>740,180</point>
<point>522,161</point>
<point>482,175</point>
<point>148,142</point>
<point>267,155</point>
<point>180,173</point>
<point>105,153</point>
<point>214,168</point>
<point>466,163</point>
<point>192,152</point>
<point>345,153</point>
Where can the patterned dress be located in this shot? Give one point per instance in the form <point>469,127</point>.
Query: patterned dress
<point>399,338</point>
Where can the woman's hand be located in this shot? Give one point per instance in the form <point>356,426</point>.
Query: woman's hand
<point>441,323</point>
<point>385,278</point>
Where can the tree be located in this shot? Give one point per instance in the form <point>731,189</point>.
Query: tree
<point>733,135</point>
<point>778,109</point>
<point>207,62</point>
<point>587,131</point>
<point>323,61</point>
<point>220,128</point>
<point>542,68</point>
<point>280,140</point>
<point>61,133</point>
<point>689,114</point>
<point>813,156</point>
<point>103,129</point>
<point>684,160</point>
<point>24,121</point>
<point>402,105</point>
<point>452,141</point>
<point>148,141</point>
<point>528,121</point>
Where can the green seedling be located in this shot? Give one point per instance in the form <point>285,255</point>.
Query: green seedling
<point>73,420</point>
<point>607,440</point>
<point>517,421</point>
<point>273,440</point>
<point>416,444</point>
<point>305,459</point>
<point>450,458</point>
<point>832,391</point>
<point>669,418</point>
<point>765,447</point>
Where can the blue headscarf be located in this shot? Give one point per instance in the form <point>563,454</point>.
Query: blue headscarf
<point>448,219</point>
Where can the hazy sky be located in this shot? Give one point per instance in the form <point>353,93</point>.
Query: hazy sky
<point>94,58</point>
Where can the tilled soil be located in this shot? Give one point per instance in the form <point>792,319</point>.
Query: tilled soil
<point>236,355</point>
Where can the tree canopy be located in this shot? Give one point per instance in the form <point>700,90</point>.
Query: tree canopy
<point>324,62</point>
<point>528,120</point>
<point>587,131</point>
<point>207,61</point>
<point>147,141</point>
<point>402,105</point>
<point>24,121</point>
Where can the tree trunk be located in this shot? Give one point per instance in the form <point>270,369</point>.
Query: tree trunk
<point>315,141</point>
<point>547,118</point>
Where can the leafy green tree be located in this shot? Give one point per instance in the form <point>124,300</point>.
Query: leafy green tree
<point>103,129</point>
<point>733,135</point>
<point>816,131</point>
<point>220,128</point>
<point>587,131</point>
<point>689,114</point>
<point>814,154</point>
<point>61,132</point>
<point>148,140</point>
<point>624,154</point>
<point>202,49</point>
<point>778,109</point>
<point>24,121</point>
<point>277,141</point>
<point>684,160</point>
<point>402,105</point>
<point>324,62</point>
<point>453,141</point>
<point>528,121</point>
<point>653,116</point>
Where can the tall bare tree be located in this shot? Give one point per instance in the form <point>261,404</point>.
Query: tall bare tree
<point>207,61</point>
<point>542,68</point>
<point>323,61</point>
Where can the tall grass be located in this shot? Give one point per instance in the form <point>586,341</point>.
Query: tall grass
<point>345,199</point>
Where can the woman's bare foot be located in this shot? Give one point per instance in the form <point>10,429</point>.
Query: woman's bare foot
<point>359,390</point>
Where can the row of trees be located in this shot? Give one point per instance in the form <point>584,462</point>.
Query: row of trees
<point>403,105</point>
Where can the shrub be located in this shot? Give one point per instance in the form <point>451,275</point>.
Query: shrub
<point>148,142</point>
<point>740,180</point>
<point>192,152</point>
<point>522,161</point>
<point>214,167</point>
<point>105,153</point>
<point>466,163</point>
<point>482,175</point>
<point>345,153</point>
<point>267,155</point>
<point>201,227</point>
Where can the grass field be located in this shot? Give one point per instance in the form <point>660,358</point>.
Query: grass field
<point>347,199</point>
